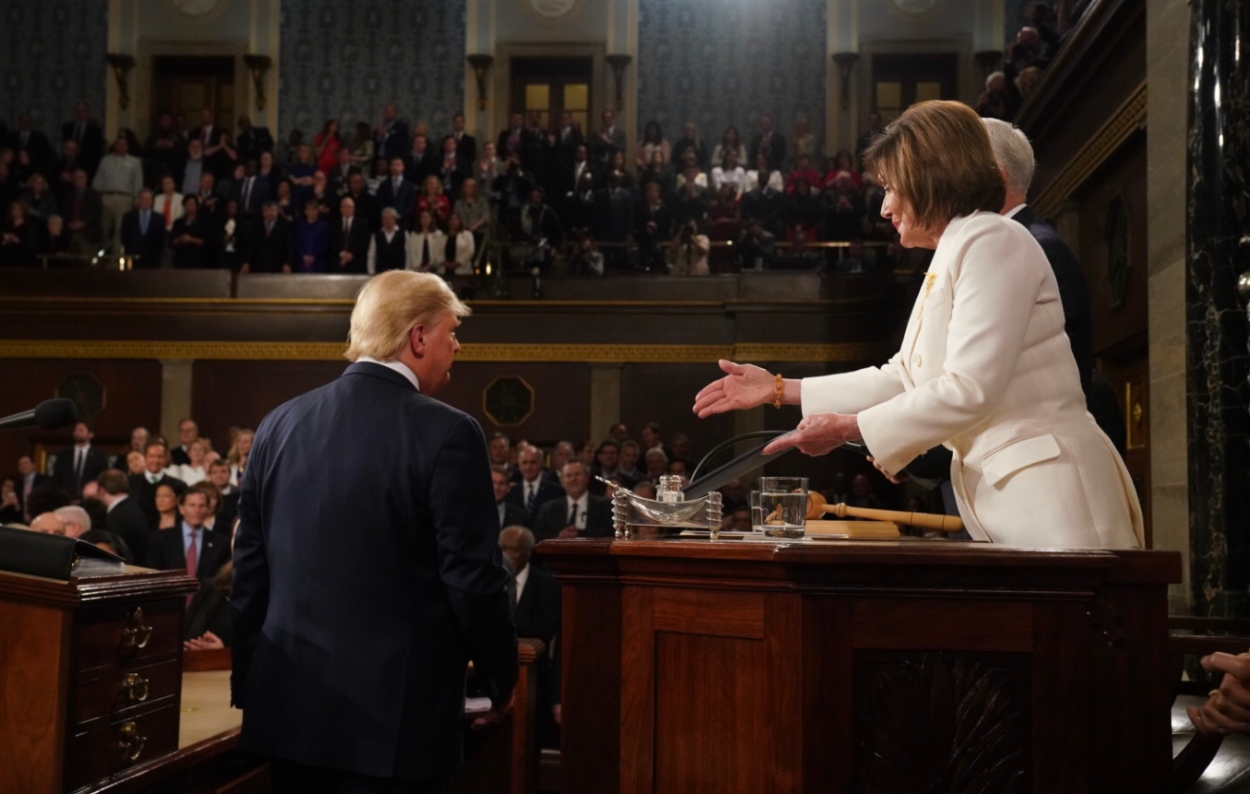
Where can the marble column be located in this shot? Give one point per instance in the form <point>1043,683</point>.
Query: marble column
<point>1217,331</point>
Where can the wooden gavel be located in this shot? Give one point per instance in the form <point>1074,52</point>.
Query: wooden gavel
<point>817,507</point>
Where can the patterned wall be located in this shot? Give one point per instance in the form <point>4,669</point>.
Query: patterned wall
<point>52,56</point>
<point>346,60</point>
<point>722,62</point>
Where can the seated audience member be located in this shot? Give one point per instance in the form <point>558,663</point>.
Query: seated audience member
<point>532,490</point>
<point>579,514</point>
<point>143,487</point>
<point>168,203</point>
<point>214,505</point>
<point>842,161</point>
<point>689,143</point>
<point>269,244</point>
<point>124,517</point>
<point>688,252</point>
<point>48,524</point>
<point>349,240</point>
<point>194,238</point>
<point>499,449</point>
<point>19,237</point>
<point>185,544</point>
<point>188,431</point>
<point>627,461</point>
<point>433,200</point>
<point>426,244</point>
<point>388,246</point>
<point>399,193</point>
<point>509,513</point>
<point>560,455</point>
<point>537,612</point>
<point>679,468</point>
<point>729,172</point>
<point>143,233</point>
<point>78,464</point>
<point>312,240</point>
<point>209,623</point>
<point>133,463</point>
<point>55,239</point>
<point>39,199</point>
<point>730,142</point>
<point>196,468</point>
<point>75,519</point>
<point>652,143</point>
<point>165,499</point>
<point>10,505</point>
<point>239,451</point>
<point>656,460</point>
<point>1000,99</point>
<point>84,213</point>
<point>459,249</point>
<point>228,495</point>
<point>110,542</point>
<point>473,210</point>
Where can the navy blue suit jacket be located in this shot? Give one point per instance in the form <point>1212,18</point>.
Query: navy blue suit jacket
<point>360,599</point>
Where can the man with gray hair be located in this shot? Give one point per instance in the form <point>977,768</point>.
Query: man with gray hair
<point>1014,154</point>
<point>75,519</point>
<point>579,514</point>
<point>388,248</point>
<point>350,650</point>
<point>268,247</point>
<point>48,524</point>
<point>143,232</point>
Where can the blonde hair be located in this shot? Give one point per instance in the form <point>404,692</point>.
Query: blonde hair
<point>390,305</point>
<point>937,157</point>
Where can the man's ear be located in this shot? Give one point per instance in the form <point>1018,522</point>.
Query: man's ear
<point>416,340</point>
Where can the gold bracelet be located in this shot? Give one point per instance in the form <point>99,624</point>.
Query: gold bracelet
<point>780,389</point>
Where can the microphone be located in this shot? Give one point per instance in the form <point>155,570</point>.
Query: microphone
<point>47,415</point>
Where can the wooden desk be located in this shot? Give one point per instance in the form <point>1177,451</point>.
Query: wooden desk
<point>891,666</point>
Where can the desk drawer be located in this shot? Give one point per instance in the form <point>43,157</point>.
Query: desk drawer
<point>113,747</point>
<point>127,636</point>
<point>119,690</point>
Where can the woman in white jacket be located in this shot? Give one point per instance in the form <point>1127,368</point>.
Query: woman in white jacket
<point>985,367</point>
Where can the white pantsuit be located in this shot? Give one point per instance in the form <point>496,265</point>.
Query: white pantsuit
<point>986,369</point>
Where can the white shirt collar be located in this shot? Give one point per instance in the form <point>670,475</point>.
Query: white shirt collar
<point>521,579</point>
<point>399,367</point>
<point>1011,213</point>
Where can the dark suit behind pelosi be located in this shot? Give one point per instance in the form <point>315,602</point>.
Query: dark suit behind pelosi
<point>360,600</point>
<point>166,551</point>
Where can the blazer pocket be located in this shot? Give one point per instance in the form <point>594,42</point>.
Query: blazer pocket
<point>1016,455</point>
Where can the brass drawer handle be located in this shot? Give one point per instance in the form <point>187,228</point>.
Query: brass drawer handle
<point>137,634</point>
<point>136,687</point>
<point>131,743</point>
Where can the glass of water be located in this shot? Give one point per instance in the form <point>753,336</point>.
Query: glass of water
<point>757,513</point>
<point>783,505</point>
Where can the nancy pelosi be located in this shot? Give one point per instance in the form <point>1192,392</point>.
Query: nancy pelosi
<point>985,368</point>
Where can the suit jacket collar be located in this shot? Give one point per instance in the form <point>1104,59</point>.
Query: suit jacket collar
<point>1025,216</point>
<point>378,371</point>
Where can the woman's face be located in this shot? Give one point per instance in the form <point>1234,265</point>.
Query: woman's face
<point>432,186</point>
<point>427,222</point>
<point>284,190</point>
<point>197,452</point>
<point>454,226</point>
<point>244,443</point>
<point>899,212</point>
<point>134,462</point>
<point>167,184</point>
<point>311,212</point>
<point>166,501</point>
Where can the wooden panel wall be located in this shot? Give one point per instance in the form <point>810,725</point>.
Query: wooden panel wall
<point>132,397</point>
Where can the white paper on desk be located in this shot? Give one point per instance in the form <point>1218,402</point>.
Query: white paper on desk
<point>476,706</point>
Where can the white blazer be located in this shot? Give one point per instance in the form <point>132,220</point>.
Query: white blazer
<point>986,369</point>
<point>466,247</point>
<point>416,245</point>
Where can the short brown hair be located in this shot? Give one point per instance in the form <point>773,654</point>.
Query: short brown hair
<point>113,482</point>
<point>937,158</point>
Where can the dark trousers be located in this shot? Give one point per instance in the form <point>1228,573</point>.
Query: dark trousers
<point>293,778</point>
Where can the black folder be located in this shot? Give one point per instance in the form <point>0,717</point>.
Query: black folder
<point>52,556</point>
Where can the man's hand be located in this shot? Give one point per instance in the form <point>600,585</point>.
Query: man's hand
<point>894,478</point>
<point>1228,708</point>
<point>571,531</point>
<point>496,715</point>
<point>744,386</point>
<point>818,434</point>
<point>207,642</point>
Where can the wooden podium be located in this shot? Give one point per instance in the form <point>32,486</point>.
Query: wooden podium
<point>887,666</point>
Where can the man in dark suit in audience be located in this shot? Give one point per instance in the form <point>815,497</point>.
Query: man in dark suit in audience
<point>251,140</point>
<point>36,144</point>
<point>579,514</point>
<point>509,142</point>
<point>390,139</point>
<point>269,244</point>
<point>350,654</point>
<point>771,143</point>
<point>88,135</point>
<point>607,141</point>
<point>79,464</point>
<point>125,517</point>
<point>537,611</point>
<point>250,193</point>
<point>143,233</point>
<point>212,138</point>
<point>367,206</point>
<point>190,546</point>
<point>533,490</point>
<point>466,144</point>
<point>349,239</point>
<point>228,509</point>
<point>27,480</point>
<point>143,486</point>
<point>509,514</point>
<point>84,214</point>
<point>399,193</point>
<point>422,161</point>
